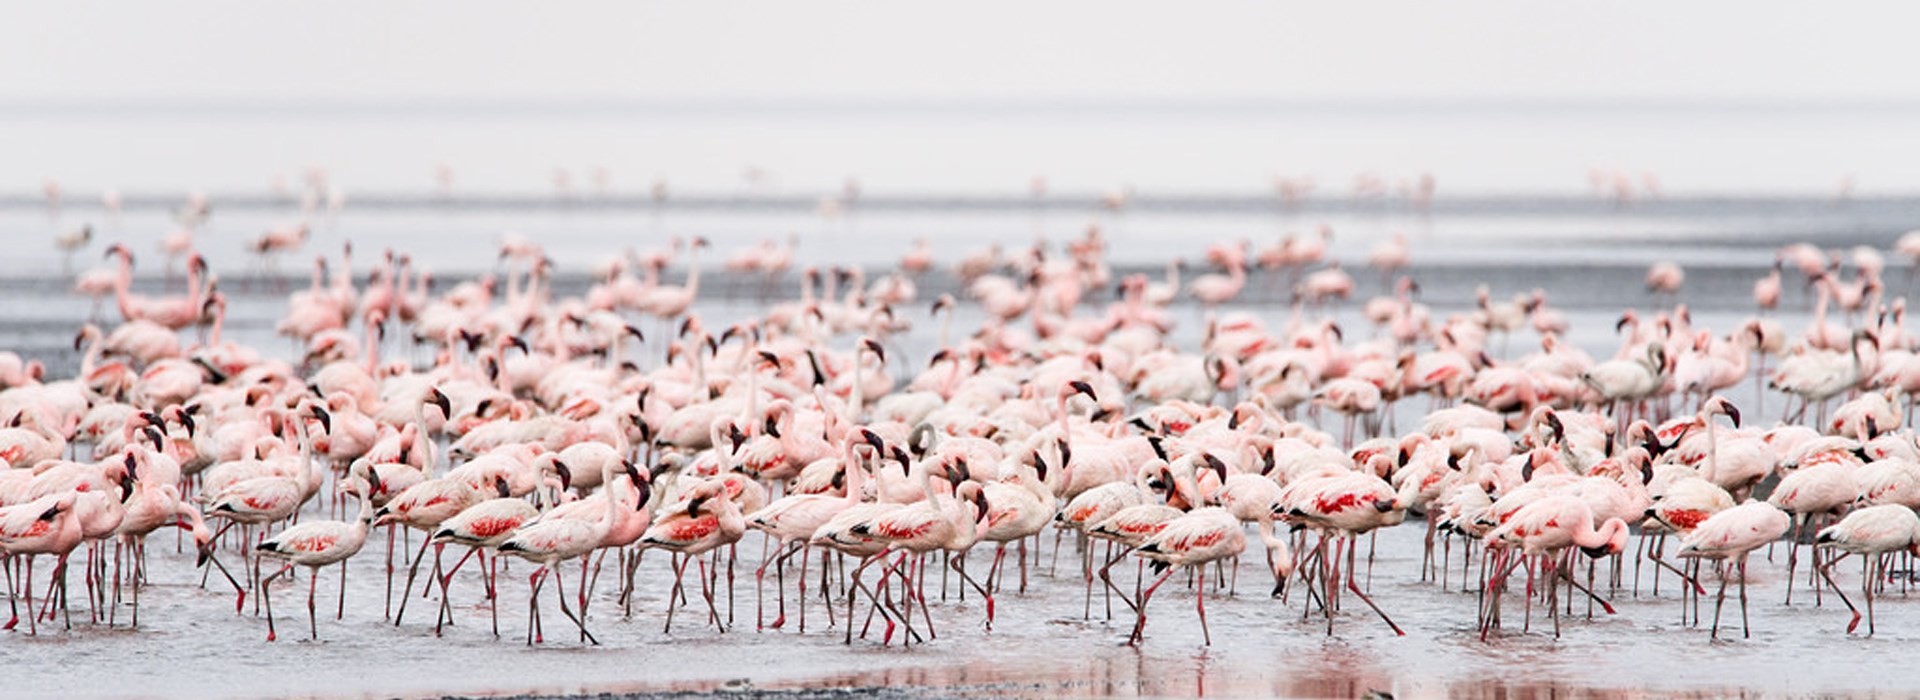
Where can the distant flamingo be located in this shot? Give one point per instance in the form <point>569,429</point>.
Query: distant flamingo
<point>1766,290</point>
<point>1665,279</point>
<point>1216,289</point>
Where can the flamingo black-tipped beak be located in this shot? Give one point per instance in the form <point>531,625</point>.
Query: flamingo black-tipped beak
<point>566,474</point>
<point>873,439</point>
<point>693,506</point>
<point>1383,506</point>
<point>1733,413</point>
<point>500,487</point>
<point>440,399</point>
<point>326,419</point>
<point>1218,466</point>
<point>159,443</point>
<point>1084,388</point>
<point>874,345</point>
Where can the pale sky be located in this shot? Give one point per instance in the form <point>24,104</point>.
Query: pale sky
<point>909,51</point>
<point>1707,96</point>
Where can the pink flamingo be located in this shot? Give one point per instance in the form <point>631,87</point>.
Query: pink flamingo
<point>548,542</point>
<point>711,520</point>
<point>1871,532</point>
<point>1215,289</point>
<point>316,545</point>
<point>793,521</point>
<point>47,525</point>
<point>1729,536</point>
<point>172,312</point>
<point>1191,542</point>
<point>484,525</point>
<point>1766,290</point>
<point>1665,278</point>
<point>1543,530</point>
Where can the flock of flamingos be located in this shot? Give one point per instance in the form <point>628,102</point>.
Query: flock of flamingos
<point>582,433</point>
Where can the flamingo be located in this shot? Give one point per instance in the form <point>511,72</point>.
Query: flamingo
<point>484,525</point>
<point>1871,532</point>
<point>1665,278</point>
<point>1215,289</point>
<point>1729,536</point>
<point>47,525</point>
<point>1544,529</point>
<point>316,545</point>
<point>548,542</point>
<point>1190,541</point>
<point>670,303</point>
<point>1766,290</point>
<point>793,521</point>
<point>174,313</point>
<point>1389,255</point>
<point>709,521</point>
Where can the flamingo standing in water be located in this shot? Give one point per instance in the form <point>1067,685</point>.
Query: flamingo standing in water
<point>173,312</point>
<point>1215,289</point>
<point>548,542</point>
<point>316,545</point>
<point>1871,532</point>
<point>793,521</point>
<point>1190,541</point>
<point>1545,529</point>
<point>1665,278</point>
<point>711,520</point>
<point>1388,256</point>
<point>1766,290</point>
<point>484,525</point>
<point>1729,536</point>
<point>47,525</point>
<point>670,302</point>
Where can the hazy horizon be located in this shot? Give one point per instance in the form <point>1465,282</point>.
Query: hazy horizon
<point>1486,96</point>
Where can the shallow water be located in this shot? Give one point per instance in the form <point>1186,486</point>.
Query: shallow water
<point>190,644</point>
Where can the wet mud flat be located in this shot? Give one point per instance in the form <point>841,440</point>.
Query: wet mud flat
<point>1049,642</point>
